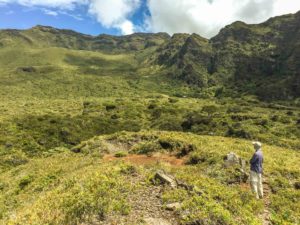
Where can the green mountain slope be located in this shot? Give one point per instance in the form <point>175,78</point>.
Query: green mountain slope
<point>86,122</point>
<point>42,36</point>
<point>260,59</point>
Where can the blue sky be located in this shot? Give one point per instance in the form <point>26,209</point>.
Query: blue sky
<point>205,17</point>
<point>20,17</point>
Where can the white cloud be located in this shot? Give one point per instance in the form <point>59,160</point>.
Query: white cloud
<point>127,27</point>
<point>110,13</point>
<point>50,12</point>
<point>3,2</point>
<point>207,17</point>
<point>61,4</point>
<point>71,14</point>
<point>286,6</point>
<point>115,13</point>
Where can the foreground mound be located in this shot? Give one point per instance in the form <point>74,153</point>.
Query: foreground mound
<point>98,183</point>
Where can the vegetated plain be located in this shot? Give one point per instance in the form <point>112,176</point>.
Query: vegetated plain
<point>67,100</point>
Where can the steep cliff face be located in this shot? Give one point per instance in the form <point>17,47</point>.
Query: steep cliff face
<point>188,57</point>
<point>262,59</point>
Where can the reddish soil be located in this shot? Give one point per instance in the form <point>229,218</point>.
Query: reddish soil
<point>146,160</point>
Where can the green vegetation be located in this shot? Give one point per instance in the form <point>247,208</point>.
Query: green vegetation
<point>75,187</point>
<point>68,101</point>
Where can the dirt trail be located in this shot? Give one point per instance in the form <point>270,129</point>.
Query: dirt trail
<point>146,208</point>
<point>266,215</point>
<point>146,201</point>
<point>147,160</point>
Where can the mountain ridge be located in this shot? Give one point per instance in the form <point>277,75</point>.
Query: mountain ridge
<point>240,57</point>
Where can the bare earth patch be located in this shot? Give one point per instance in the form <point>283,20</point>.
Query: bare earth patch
<point>146,160</point>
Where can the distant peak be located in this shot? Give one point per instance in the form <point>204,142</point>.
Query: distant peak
<point>42,27</point>
<point>237,24</point>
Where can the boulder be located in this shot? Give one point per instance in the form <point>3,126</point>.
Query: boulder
<point>165,178</point>
<point>174,206</point>
<point>233,160</point>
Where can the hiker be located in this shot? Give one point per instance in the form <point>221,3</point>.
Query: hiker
<point>256,170</point>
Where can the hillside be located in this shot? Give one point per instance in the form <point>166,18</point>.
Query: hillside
<point>45,36</point>
<point>77,188</point>
<point>260,59</point>
<point>87,122</point>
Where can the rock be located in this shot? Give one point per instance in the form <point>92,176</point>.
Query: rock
<point>231,159</point>
<point>185,186</point>
<point>190,188</point>
<point>174,183</point>
<point>165,178</point>
<point>173,206</point>
<point>156,221</point>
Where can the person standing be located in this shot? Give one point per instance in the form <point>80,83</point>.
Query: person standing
<point>256,170</point>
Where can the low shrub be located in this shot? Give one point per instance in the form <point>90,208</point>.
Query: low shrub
<point>147,147</point>
<point>25,181</point>
<point>121,154</point>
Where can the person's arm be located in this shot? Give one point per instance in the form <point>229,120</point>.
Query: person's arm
<point>254,159</point>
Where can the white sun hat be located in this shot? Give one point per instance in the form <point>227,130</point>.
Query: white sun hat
<point>256,144</point>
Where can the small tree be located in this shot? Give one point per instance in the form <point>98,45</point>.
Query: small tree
<point>210,110</point>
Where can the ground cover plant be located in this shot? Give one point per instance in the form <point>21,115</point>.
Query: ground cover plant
<point>86,122</point>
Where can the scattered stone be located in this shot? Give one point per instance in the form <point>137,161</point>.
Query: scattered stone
<point>157,221</point>
<point>174,183</point>
<point>190,188</point>
<point>165,178</point>
<point>174,206</point>
<point>185,186</point>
